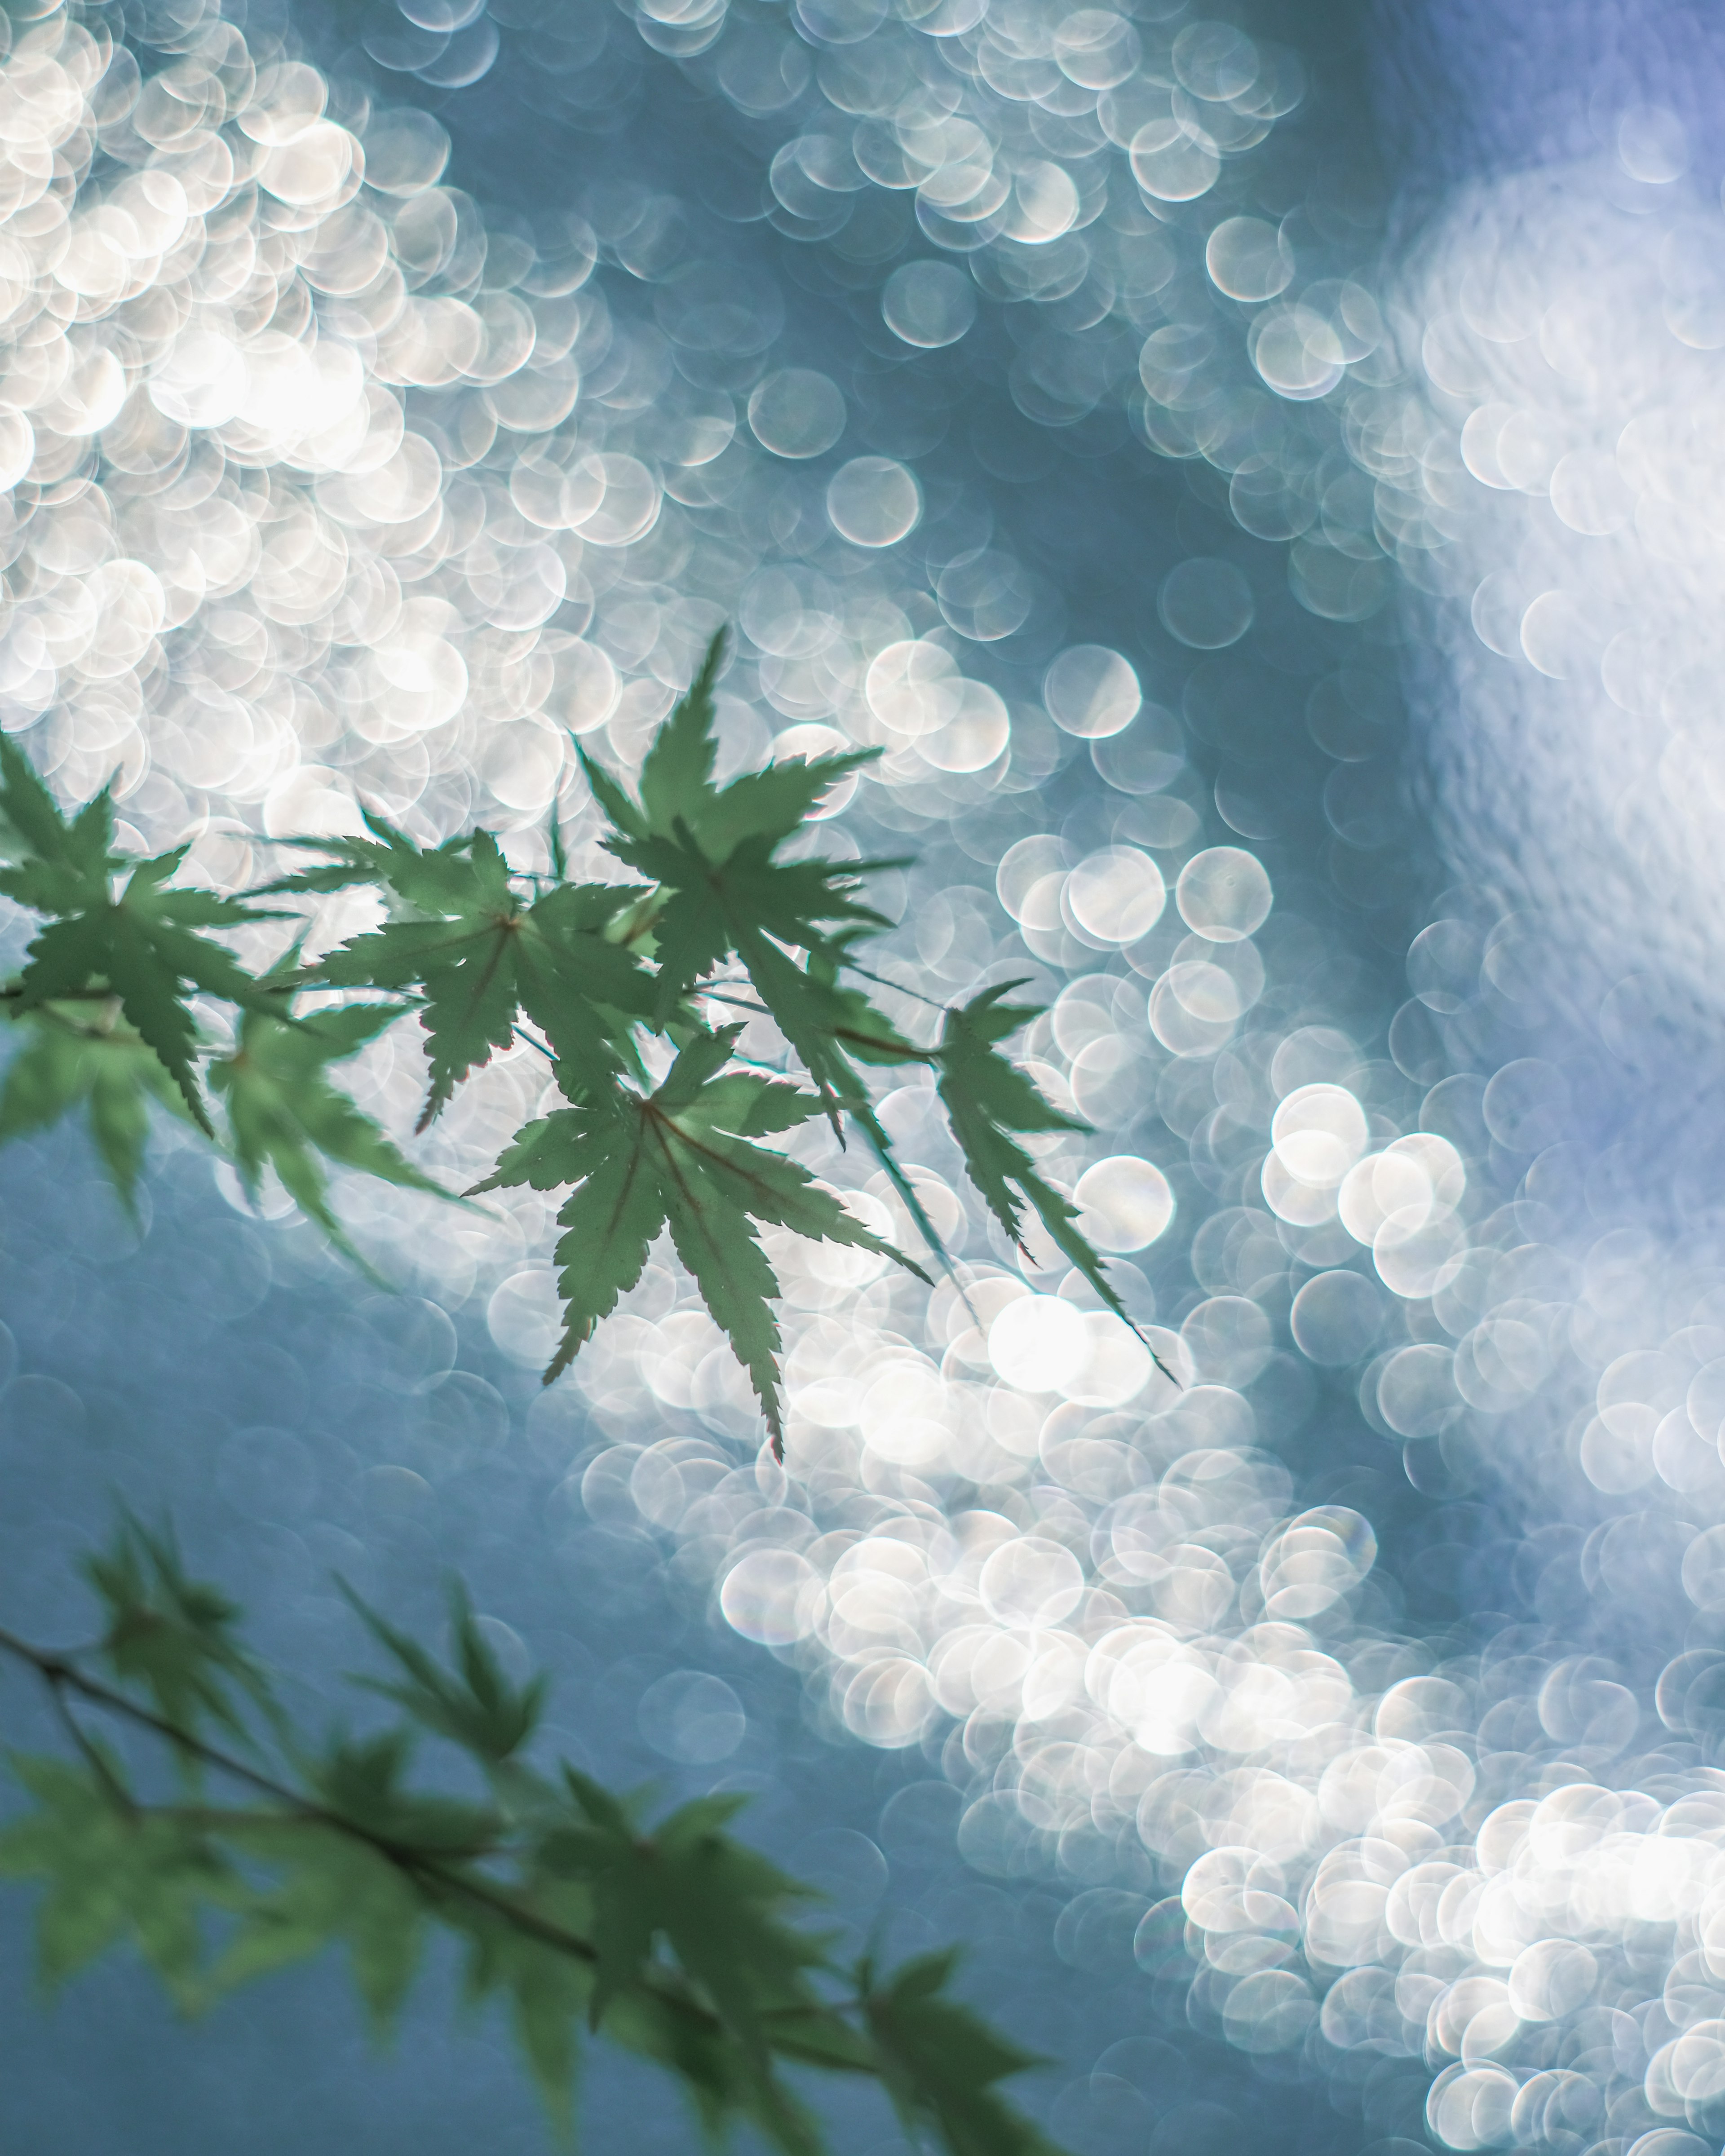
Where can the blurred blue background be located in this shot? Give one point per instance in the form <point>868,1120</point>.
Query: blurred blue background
<point>1076,490</point>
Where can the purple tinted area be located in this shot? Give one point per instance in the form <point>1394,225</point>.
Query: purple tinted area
<point>1464,89</point>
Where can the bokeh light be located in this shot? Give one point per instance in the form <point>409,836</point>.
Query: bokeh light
<point>1013,379</point>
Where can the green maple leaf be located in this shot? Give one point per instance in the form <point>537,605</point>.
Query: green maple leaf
<point>852,1031</point>
<point>681,1158</point>
<point>940,2063</point>
<point>331,1888</point>
<point>987,1100</point>
<point>84,1055</point>
<point>283,1112</point>
<point>548,1992</point>
<point>480,952</point>
<point>721,1908</point>
<point>359,1779</point>
<point>420,881</point>
<point>112,1873</point>
<point>123,930</point>
<point>474,1706</point>
<point>175,1636</point>
<point>714,852</point>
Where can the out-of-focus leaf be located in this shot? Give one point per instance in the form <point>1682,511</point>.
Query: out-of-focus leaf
<point>111,1874</point>
<point>283,1112</point>
<point>360,1780</point>
<point>84,1055</point>
<point>474,1706</point>
<point>720,1908</point>
<point>941,2063</point>
<point>548,1994</point>
<point>175,1636</point>
<point>331,1889</point>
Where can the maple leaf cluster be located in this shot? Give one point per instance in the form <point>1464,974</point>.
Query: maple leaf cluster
<point>485,956</point>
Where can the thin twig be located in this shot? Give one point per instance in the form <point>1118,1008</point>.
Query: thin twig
<point>90,1752</point>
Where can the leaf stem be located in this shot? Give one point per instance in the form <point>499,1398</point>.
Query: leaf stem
<point>735,1002</point>
<point>898,987</point>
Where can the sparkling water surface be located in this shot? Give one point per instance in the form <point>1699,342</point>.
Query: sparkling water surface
<point>1076,407</point>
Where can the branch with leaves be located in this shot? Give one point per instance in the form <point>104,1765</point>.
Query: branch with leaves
<point>262,1846</point>
<point>486,953</point>
<point>677,1941</point>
